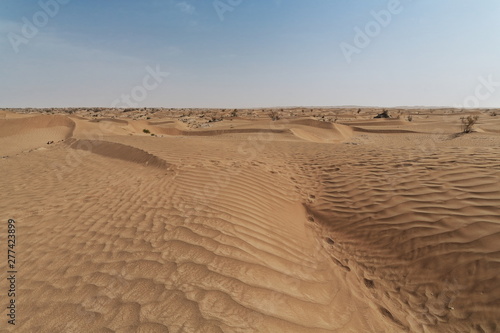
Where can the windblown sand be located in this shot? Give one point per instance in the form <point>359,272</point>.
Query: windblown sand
<point>341,223</point>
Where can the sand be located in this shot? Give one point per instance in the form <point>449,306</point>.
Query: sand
<point>326,220</point>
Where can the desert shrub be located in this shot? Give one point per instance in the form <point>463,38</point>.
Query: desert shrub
<point>274,115</point>
<point>410,118</point>
<point>468,123</point>
<point>146,131</point>
<point>384,114</point>
<point>494,114</point>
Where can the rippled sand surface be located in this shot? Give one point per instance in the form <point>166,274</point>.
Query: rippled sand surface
<point>305,224</point>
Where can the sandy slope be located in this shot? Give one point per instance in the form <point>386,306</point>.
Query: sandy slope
<point>249,225</point>
<point>21,134</point>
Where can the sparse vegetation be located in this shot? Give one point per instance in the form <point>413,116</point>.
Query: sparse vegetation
<point>274,115</point>
<point>384,114</point>
<point>146,131</point>
<point>410,118</point>
<point>215,119</point>
<point>468,123</point>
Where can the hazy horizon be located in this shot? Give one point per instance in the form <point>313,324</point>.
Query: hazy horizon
<point>242,54</point>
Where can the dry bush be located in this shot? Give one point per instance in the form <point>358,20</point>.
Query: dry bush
<point>274,115</point>
<point>468,123</point>
<point>384,114</point>
<point>410,118</point>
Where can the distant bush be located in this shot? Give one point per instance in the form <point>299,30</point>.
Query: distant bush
<point>146,131</point>
<point>410,118</point>
<point>274,115</point>
<point>384,114</point>
<point>468,123</point>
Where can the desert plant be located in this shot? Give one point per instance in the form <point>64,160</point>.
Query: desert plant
<point>468,123</point>
<point>410,118</point>
<point>274,115</point>
<point>384,114</point>
<point>493,114</point>
<point>146,131</point>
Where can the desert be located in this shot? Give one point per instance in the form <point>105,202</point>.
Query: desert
<point>249,166</point>
<point>251,220</point>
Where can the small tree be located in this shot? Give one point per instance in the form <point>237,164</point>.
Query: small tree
<point>468,123</point>
<point>146,131</point>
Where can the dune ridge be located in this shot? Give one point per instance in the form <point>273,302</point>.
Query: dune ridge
<point>23,134</point>
<point>118,151</point>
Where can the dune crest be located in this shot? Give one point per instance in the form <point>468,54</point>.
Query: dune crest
<point>23,134</point>
<point>118,151</point>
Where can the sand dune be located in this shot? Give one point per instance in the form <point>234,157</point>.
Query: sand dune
<point>22,134</point>
<point>249,225</point>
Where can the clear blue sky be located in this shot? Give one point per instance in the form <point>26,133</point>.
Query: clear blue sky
<point>263,53</point>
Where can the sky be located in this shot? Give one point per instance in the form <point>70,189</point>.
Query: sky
<point>249,53</point>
